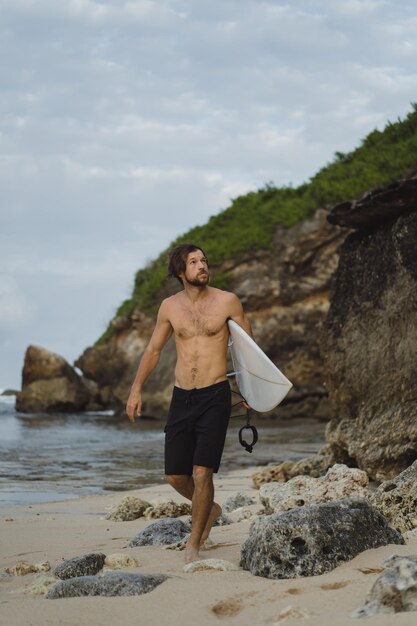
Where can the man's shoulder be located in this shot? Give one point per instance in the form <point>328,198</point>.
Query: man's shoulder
<point>227,296</point>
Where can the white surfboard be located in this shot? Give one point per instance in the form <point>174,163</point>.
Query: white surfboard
<point>259,380</point>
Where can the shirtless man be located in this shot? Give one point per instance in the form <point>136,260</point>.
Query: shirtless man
<point>200,408</point>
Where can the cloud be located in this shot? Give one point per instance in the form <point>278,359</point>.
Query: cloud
<point>15,310</point>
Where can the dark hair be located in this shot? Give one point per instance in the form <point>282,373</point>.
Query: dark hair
<point>177,258</point>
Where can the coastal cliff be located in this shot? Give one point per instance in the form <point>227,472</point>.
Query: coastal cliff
<point>369,338</point>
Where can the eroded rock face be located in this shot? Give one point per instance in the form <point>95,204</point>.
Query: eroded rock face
<point>339,482</point>
<point>313,540</point>
<point>395,589</point>
<point>84,565</point>
<point>397,499</point>
<point>370,339</point>
<point>49,383</point>
<point>161,533</point>
<point>111,584</point>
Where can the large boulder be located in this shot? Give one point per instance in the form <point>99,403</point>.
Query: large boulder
<point>313,540</point>
<point>49,383</point>
<point>369,341</point>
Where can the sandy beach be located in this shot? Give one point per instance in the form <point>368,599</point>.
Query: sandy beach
<point>61,530</point>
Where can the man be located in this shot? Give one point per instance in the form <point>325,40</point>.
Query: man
<point>200,408</point>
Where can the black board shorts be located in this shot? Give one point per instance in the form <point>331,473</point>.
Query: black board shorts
<point>196,428</point>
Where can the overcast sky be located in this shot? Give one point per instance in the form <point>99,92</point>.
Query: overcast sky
<point>125,123</point>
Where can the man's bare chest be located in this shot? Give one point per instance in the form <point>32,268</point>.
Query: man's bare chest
<point>205,322</point>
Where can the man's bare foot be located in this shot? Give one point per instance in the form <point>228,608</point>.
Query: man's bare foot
<point>216,511</point>
<point>191,554</point>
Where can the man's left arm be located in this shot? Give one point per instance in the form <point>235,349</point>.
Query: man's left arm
<point>238,315</point>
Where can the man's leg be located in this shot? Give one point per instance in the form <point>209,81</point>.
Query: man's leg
<point>202,504</point>
<point>184,484</point>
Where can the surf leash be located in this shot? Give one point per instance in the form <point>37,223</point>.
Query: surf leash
<point>248,426</point>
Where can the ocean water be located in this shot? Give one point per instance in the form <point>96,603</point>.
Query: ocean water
<point>47,457</point>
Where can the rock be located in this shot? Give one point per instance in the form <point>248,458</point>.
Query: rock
<point>41,584</point>
<point>209,565</point>
<point>339,482</point>
<point>22,568</point>
<point>315,465</point>
<point>243,513</point>
<point>119,561</point>
<point>313,540</point>
<point>130,508</point>
<point>84,565</point>
<point>397,499</point>
<point>395,589</point>
<point>111,584</point>
<point>49,383</point>
<point>43,566</point>
<point>161,533</point>
<point>369,341</point>
<point>10,392</point>
<point>410,535</point>
<point>236,501</point>
<point>168,509</point>
<point>381,204</point>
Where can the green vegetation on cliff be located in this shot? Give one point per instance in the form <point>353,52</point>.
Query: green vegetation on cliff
<point>249,223</point>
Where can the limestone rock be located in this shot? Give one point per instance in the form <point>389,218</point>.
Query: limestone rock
<point>49,383</point>
<point>205,565</point>
<point>395,589</point>
<point>167,509</point>
<point>242,513</point>
<point>397,499</point>
<point>237,501</point>
<point>369,340</point>
<point>339,482</point>
<point>119,561</point>
<point>41,584</point>
<point>84,565</point>
<point>378,205</point>
<point>315,465</point>
<point>314,540</point>
<point>22,568</point>
<point>161,533</point>
<point>130,508</point>
<point>111,584</point>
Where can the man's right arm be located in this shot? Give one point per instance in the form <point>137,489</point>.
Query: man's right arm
<point>162,332</point>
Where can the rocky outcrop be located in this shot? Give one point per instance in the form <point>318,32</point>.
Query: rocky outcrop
<point>395,589</point>
<point>313,540</point>
<point>49,383</point>
<point>369,341</point>
<point>285,293</point>
<point>315,465</point>
<point>397,499</point>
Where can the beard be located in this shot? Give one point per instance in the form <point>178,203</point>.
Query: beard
<point>199,281</point>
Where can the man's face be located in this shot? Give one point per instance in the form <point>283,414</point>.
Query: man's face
<point>196,269</point>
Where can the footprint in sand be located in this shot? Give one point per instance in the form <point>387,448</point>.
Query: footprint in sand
<point>233,605</point>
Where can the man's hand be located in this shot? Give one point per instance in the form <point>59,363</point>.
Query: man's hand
<point>134,405</point>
